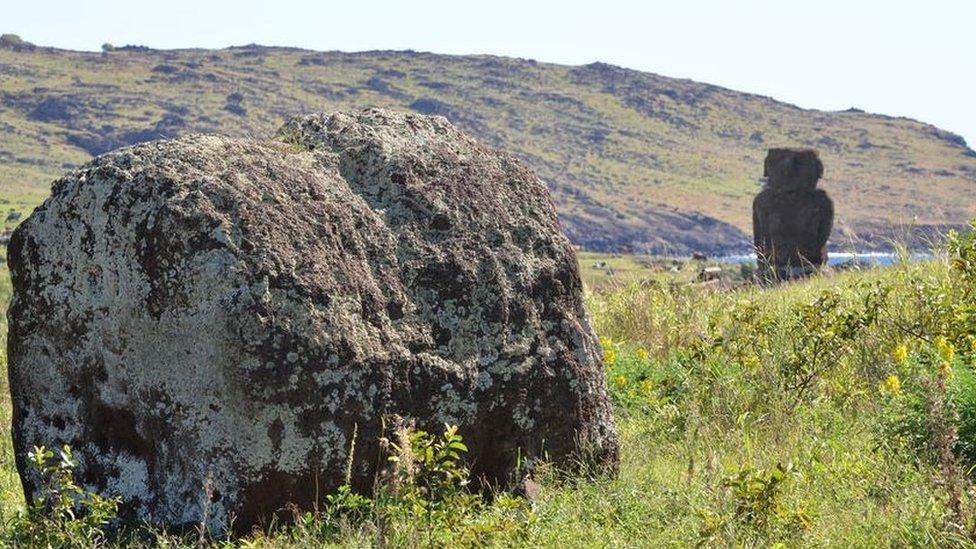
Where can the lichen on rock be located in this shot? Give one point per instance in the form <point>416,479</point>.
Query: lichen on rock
<point>207,320</point>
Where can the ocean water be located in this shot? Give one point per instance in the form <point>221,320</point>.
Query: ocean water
<point>873,259</point>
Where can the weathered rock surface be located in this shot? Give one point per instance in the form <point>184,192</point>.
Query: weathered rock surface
<point>207,321</point>
<point>791,218</point>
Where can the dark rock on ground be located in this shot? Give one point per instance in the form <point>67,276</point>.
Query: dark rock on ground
<point>54,109</point>
<point>207,321</point>
<point>791,218</point>
<point>164,68</point>
<point>108,138</point>
<point>234,104</point>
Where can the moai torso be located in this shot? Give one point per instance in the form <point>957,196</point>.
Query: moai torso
<point>791,218</point>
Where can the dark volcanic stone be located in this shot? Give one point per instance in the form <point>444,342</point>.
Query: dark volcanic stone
<point>53,109</point>
<point>791,218</point>
<point>426,105</point>
<point>792,169</point>
<point>207,321</point>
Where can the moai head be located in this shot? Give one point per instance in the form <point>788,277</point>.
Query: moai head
<point>793,169</point>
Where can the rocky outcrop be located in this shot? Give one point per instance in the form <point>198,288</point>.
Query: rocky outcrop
<point>15,43</point>
<point>791,218</point>
<point>208,321</point>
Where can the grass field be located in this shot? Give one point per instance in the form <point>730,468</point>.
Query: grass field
<point>839,411</point>
<point>603,272</point>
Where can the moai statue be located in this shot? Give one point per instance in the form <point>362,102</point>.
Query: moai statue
<point>791,217</point>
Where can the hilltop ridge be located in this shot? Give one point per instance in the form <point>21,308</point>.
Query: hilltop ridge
<point>635,161</point>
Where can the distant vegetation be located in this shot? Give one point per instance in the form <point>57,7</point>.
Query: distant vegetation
<point>635,161</point>
<point>835,411</point>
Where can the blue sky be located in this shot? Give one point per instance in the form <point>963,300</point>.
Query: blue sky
<point>906,58</point>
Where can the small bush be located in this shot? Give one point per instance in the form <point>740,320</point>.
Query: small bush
<point>422,499</point>
<point>63,514</point>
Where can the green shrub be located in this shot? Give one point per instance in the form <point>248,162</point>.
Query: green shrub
<point>63,514</point>
<point>423,498</point>
<point>431,483</point>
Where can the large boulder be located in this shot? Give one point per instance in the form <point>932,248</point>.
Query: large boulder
<point>209,321</point>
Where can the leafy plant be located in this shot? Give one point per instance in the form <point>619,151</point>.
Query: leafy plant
<point>758,497</point>
<point>432,478</point>
<point>347,503</point>
<point>757,505</point>
<point>823,330</point>
<point>63,514</point>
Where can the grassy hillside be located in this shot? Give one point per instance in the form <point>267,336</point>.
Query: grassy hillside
<point>839,411</point>
<point>635,160</point>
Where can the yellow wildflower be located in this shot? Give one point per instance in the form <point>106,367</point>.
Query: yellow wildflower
<point>621,381</point>
<point>946,350</point>
<point>891,385</point>
<point>900,354</point>
<point>641,354</point>
<point>751,362</point>
<point>609,352</point>
<point>647,387</point>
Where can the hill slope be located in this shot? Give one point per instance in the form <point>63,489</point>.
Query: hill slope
<point>636,161</point>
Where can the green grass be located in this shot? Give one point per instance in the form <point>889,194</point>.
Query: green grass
<point>603,272</point>
<point>10,492</point>
<point>722,442</point>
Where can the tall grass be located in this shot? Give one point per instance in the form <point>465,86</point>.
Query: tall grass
<point>837,411</point>
<point>10,494</point>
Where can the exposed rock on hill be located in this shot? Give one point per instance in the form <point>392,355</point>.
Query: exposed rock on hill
<point>207,320</point>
